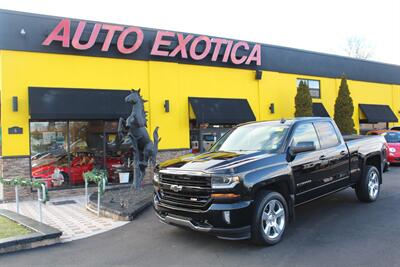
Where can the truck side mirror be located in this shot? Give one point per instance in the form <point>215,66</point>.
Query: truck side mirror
<point>300,147</point>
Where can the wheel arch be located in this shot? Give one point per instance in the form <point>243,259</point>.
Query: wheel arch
<point>376,161</point>
<point>283,187</point>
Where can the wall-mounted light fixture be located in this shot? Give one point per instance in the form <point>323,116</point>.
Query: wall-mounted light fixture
<point>258,74</point>
<point>22,32</point>
<point>272,108</point>
<point>166,105</point>
<point>15,103</point>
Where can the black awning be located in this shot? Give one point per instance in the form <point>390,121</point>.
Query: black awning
<point>377,113</point>
<point>73,104</point>
<point>221,110</point>
<point>319,110</point>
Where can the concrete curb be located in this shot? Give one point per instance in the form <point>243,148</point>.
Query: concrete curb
<point>43,235</point>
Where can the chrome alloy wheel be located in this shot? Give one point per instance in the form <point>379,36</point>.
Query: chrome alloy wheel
<point>373,185</point>
<point>273,219</point>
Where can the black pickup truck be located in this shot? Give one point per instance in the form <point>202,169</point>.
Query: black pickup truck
<point>249,183</point>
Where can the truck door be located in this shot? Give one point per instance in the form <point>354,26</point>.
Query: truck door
<point>306,166</point>
<point>334,158</point>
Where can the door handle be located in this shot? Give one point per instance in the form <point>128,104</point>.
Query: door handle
<point>342,153</point>
<point>323,157</point>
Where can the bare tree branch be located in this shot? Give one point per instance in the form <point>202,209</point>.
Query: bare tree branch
<point>358,48</point>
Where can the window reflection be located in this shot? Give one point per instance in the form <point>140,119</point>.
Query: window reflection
<point>74,148</point>
<point>49,151</point>
<point>86,148</point>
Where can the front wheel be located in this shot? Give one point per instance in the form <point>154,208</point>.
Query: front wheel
<point>367,189</point>
<point>270,218</point>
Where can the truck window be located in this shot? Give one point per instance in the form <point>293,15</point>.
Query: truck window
<point>327,134</point>
<point>305,133</point>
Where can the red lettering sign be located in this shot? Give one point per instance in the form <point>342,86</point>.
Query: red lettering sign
<point>189,46</point>
<point>218,44</point>
<point>181,47</point>
<point>241,60</point>
<point>111,29</point>
<point>78,34</point>
<point>121,40</point>
<point>155,51</point>
<point>195,43</point>
<point>56,34</point>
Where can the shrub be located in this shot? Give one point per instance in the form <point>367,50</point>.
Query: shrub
<point>344,109</point>
<point>303,101</point>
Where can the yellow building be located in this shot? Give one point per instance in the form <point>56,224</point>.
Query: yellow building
<point>63,84</point>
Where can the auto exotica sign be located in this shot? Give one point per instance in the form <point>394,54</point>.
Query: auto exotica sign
<point>165,44</point>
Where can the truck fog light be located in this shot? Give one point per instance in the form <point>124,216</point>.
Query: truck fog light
<point>227,216</point>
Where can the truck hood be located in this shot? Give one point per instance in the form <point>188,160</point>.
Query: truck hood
<point>217,162</point>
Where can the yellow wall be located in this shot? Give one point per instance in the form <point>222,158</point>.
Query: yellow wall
<point>24,69</point>
<point>1,79</point>
<point>280,89</point>
<point>162,81</point>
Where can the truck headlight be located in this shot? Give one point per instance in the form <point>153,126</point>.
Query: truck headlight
<point>156,177</point>
<point>392,149</point>
<point>220,182</point>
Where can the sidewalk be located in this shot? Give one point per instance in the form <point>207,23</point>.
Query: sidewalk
<point>71,218</point>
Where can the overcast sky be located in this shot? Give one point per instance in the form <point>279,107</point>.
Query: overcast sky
<point>316,25</point>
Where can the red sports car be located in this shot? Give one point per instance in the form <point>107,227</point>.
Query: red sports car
<point>393,143</point>
<point>46,166</point>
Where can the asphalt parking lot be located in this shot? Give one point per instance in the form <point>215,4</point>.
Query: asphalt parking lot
<point>334,231</point>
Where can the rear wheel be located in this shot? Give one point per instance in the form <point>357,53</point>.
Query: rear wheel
<point>367,189</point>
<point>269,219</point>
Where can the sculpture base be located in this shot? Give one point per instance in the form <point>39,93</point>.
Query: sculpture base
<point>123,203</point>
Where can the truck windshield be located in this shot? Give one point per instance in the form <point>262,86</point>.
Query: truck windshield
<point>253,137</point>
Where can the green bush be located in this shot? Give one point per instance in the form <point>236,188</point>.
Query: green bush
<point>303,101</point>
<point>344,109</point>
<point>97,176</point>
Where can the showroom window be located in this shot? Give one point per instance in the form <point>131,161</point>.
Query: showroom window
<point>366,127</point>
<point>313,85</point>
<point>73,148</point>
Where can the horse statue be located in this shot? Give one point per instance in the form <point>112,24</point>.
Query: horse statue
<point>134,128</point>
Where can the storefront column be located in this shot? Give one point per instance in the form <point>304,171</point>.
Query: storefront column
<point>1,175</point>
<point>13,167</point>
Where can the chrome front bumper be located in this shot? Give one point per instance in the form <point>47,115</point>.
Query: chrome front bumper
<point>169,219</point>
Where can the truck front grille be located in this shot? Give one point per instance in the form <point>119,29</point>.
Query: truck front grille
<point>186,180</point>
<point>194,191</point>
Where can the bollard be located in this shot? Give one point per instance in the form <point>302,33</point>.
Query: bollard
<point>41,197</point>
<point>16,198</point>
<point>98,200</point>
<point>40,206</point>
<point>86,192</point>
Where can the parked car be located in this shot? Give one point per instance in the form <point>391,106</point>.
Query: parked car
<point>392,138</point>
<point>395,128</point>
<point>249,183</point>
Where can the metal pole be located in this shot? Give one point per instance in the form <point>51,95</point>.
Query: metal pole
<point>98,200</point>
<point>86,192</point>
<point>17,198</point>
<point>40,206</point>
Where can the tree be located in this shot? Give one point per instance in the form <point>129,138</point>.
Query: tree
<point>344,109</point>
<point>303,101</point>
<point>358,48</point>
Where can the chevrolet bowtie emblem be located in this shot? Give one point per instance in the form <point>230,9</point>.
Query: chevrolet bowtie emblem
<point>176,188</point>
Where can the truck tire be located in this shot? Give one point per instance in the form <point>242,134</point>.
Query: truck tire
<point>367,189</point>
<point>269,219</point>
